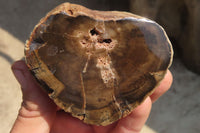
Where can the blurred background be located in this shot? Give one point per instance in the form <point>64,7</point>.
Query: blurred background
<point>178,111</point>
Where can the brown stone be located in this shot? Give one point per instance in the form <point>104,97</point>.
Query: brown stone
<point>97,65</point>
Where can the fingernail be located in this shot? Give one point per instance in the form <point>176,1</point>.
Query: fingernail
<point>20,77</point>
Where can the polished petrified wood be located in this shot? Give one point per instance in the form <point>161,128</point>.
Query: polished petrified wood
<point>97,65</point>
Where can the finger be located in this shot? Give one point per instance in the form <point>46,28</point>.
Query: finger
<point>34,99</point>
<point>134,122</point>
<point>163,87</point>
<point>104,129</point>
<point>37,110</point>
<point>65,123</point>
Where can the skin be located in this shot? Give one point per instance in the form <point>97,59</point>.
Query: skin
<point>39,114</point>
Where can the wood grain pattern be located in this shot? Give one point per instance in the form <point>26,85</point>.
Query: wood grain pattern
<point>97,65</point>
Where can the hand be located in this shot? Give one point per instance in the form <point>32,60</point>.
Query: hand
<point>39,114</point>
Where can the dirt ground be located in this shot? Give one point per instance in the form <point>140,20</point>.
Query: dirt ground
<point>10,95</point>
<point>176,112</point>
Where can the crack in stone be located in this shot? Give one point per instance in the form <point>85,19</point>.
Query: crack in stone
<point>93,43</point>
<point>86,64</point>
<point>118,106</point>
<point>83,93</point>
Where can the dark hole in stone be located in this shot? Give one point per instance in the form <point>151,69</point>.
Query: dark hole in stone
<point>104,40</point>
<point>94,32</point>
<point>107,40</point>
<point>71,12</point>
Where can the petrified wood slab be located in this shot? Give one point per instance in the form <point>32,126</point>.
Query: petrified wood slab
<point>97,65</point>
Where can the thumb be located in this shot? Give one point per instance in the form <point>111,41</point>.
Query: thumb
<point>37,111</point>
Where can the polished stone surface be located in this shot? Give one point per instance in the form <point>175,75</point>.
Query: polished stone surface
<point>182,100</point>
<point>97,65</point>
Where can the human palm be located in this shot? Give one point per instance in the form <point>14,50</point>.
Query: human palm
<point>39,114</point>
